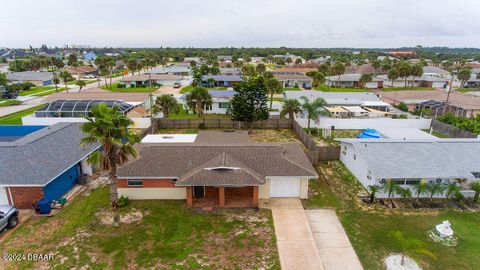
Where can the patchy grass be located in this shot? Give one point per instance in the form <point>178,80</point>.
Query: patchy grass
<point>9,102</point>
<point>16,117</point>
<point>368,226</point>
<point>336,134</point>
<point>273,135</point>
<point>169,236</point>
<point>137,89</point>
<point>436,133</point>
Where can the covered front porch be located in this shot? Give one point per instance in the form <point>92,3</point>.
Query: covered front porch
<point>231,197</point>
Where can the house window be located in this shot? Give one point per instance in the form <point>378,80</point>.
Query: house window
<point>399,181</point>
<point>224,105</point>
<point>412,181</point>
<point>134,183</point>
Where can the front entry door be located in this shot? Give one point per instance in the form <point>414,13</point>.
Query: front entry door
<point>198,191</point>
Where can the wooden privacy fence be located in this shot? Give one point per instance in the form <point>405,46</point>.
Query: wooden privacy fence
<point>451,131</point>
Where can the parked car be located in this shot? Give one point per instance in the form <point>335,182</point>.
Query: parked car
<point>4,93</point>
<point>177,85</point>
<point>8,217</point>
<point>90,76</point>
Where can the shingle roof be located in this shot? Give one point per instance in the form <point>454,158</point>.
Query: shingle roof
<point>441,158</point>
<point>30,76</point>
<point>334,98</point>
<point>39,157</point>
<point>283,77</point>
<point>351,78</point>
<point>223,77</point>
<point>184,160</point>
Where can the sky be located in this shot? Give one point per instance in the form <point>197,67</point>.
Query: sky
<point>241,23</point>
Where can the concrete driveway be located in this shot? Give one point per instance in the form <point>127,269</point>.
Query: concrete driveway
<point>333,244</point>
<point>295,242</point>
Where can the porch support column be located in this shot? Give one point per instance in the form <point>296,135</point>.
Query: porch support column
<point>189,197</point>
<point>255,196</point>
<point>221,196</point>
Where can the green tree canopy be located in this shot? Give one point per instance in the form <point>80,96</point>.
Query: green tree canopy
<point>198,100</point>
<point>249,104</point>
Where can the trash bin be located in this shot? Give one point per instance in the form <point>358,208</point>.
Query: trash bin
<point>82,179</point>
<point>44,206</point>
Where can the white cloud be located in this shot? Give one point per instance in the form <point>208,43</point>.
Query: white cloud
<point>249,23</point>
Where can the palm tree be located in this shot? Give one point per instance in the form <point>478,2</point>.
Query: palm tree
<point>452,188</point>
<point>313,109</point>
<point>435,188</point>
<point>409,245</point>
<point>390,187</point>
<point>66,77</point>
<point>393,75</point>
<point>56,81</point>
<point>337,70</point>
<point>291,107</point>
<point>273,87</point>
<point>420,187</point>
<point>109,127</point>
<point>81,84</point>
<point>404,192</point>
<point>365,78</point>
<point>475,186</point>
<point>198,99</point>
<point>165,104</point>
<point>373,190</point>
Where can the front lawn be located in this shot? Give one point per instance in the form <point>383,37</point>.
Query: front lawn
<point>162,235</point>
<point>389,89</point>
<point>115,88</point>
<point>35,90</point>
<point>9,102</point>
<point>16,117</point>
<point>369,226</point>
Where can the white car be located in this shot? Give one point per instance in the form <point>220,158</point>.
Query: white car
<point>90,76</point>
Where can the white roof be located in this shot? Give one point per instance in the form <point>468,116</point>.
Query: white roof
<point>405,133</point>
<point>375,103</point>
<point>357,109</point>
<point>170,138</point>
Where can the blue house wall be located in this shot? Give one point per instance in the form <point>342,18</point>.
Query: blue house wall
<point>62,184</point>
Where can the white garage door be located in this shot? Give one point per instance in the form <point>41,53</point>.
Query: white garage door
<point>3,196</point>
<point>285,187</point>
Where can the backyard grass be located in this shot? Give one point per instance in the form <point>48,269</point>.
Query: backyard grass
<point>336,134</point>
<point>189,88</point>
<point>183,114</point>
<point>16,117</point>
<point>368,227</point>
<point>168,236</point>
<point>9,102</point>
<point>273,135</point>
<point>436,133</point>
<point>138,89</point>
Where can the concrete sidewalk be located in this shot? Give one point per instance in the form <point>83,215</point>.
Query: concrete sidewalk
<point>332,242</point>
<point>295,242</point>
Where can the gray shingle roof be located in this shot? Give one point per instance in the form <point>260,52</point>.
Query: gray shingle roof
<point>333,98</point>
<point>184,160</point>
<point>440,158</point>
<point>223,77</point>
<point>30,76</point>
<point>39,157</point>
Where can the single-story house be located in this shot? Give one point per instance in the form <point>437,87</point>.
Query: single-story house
<point>181,70</point>
<point>139,81</point>
<point>353,81</point>
<point>407,162</point>
<point>294,80</point>
<point>363,69</point>
<point>90,56</point>
<point>220,101</point>
<point>473,82</point>
<point>364,99</point>
<point>82,71</point>
<point>293,70</point>
<point>219,169</point>
<point>422,81</point>
<point>230,71</point>
<point>435,71</point>
<point>220,80</point>
<point>41,162</point>
<point>35,77</point>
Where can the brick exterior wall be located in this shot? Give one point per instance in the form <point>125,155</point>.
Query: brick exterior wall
<point>23,197</point>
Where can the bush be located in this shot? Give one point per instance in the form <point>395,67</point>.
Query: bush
<point>202,126</point>
<point>122,201</point>
<point>402,116</point>
<point>402,106</point>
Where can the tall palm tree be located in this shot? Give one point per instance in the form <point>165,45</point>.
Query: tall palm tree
<point>66,77</point>
<point>373,190</point>
<point>435,188</point>
<point>81,84</point>
<point>198,99</point>
<point>291,107</point>
<point>313,109</point>
<point>165,104</point>
<point>391,187</point>
<point>109,127</point>
<point>452,188</point>
<point>475,186</point>
<point>273,87</point>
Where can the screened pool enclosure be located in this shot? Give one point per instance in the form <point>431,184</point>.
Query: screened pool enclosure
<point>78,108</point>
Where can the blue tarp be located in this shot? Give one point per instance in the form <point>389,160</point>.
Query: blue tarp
<point>369,134</point>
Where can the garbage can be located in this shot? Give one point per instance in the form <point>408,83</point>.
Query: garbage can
<point>44,206</point>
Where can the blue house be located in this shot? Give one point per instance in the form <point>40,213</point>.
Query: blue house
<point>90,56</point>
<point>41,163</point>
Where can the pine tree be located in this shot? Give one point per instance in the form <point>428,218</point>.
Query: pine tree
<point>250,102</point>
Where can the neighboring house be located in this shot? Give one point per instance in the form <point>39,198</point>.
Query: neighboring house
<point>90,56</point>
<point>139,81</point>
<point>473,82</point>
<point>363,69</point>
<point>225,58</point>
<point>435,71</point>
<point>220,80</point>
<point>230,71</point>
<point>256,59</point>
<point>197,60</point>
<point>219,169</point>
<point>181,70</point>
<point>35,77</point>
<point>321,60</point>
<point>422,81</point>
<point>353,81</point>
<point>294,80</point>
<point>41,162</point>
<point>407,162</point>
<point>80,72</point>
<point>293,70</point>
<point>460,104</point>
<point>220,101</point>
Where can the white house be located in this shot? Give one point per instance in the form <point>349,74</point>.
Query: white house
<point>220,101</point>
<point>407,162</point>
<point>353,80</point>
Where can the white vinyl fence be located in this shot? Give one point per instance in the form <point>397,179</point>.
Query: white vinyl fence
<point>374,123</point>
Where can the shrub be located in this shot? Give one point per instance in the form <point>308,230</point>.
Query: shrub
<point>402,116</point>
<point>202,126</point>
<point>402,106</point>
<point>123,201</point>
